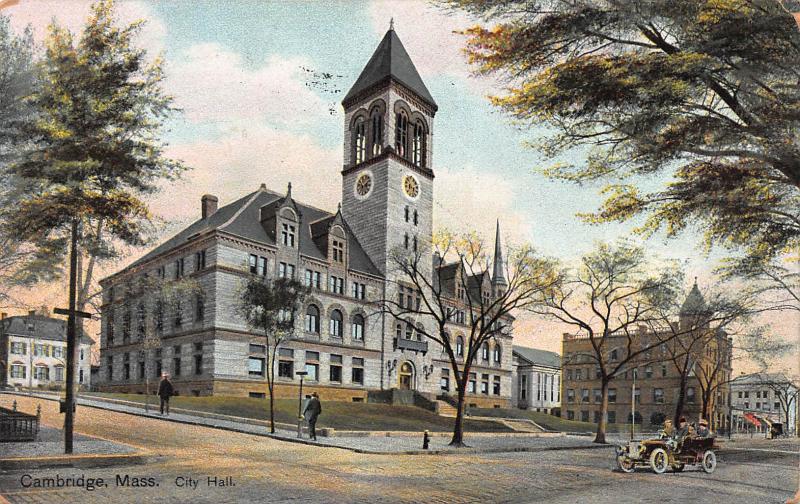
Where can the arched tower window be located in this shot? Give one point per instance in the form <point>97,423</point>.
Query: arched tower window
<point>460,346</point>
<point>312,319</point>
<point>401,133</point>
<point>360,141</point>
<point>418,144</point>
<point>376,131</point>
<point>497,353</point>
<point>336,324</point>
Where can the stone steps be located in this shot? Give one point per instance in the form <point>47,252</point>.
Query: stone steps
<point>445,409</point>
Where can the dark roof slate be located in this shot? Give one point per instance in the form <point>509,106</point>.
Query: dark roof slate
<point>243,218</point>
<point>538,357</point>
<point>44,328</point>
<point>390,60</point>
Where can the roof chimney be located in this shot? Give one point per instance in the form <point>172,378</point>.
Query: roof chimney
<point>208,205</point>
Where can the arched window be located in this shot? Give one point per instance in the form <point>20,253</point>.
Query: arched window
<point>418,144</point>
<point>336,324</point>
<point>485,351</point>
<point>360,141</point>
<point>401,133</point>
<point>312,319</point>
<point>497,353</point>
<point>460,346</point>
<point>358,328</point>
<point>407,214</point>
<point>376,131</point>
<point>398,330</point>
<point>416,218</point>
<point>420,331</point>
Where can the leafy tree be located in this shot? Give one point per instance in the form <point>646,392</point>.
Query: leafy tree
<point>458,307</point>
<point>270,306</point>
<point>702,95</point>
<point>95,150</point>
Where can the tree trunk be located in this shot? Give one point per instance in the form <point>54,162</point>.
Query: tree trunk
<point>600,437</point>
<point>704,410</point>
<point>458,428</point>
<point>681,400</point>
<point>271,409</point>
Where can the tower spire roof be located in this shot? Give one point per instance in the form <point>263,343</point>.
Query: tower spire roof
<point>694,303</point>
<point>390,61</point>
<point>498,275</point>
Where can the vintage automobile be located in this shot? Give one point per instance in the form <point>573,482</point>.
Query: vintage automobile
<point>660,454</point>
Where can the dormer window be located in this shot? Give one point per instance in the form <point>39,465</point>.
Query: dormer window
<point>287,235</point>
<point>401,133</point>
<point>360,140</point>
<point>418,144</point>
<point>338,251</point>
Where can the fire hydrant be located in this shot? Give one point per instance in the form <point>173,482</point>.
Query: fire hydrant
<point>426,439</point>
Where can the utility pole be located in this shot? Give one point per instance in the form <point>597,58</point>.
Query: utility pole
<point>633,404</point>
<point>69,403</point>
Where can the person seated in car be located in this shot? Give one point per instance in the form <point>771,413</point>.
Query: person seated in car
<point>667,430</point>
<point>681,433</point>
<point>703,430</point>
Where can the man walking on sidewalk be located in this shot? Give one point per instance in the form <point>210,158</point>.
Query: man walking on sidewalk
<point>312,411</point>
<point>165,391</point>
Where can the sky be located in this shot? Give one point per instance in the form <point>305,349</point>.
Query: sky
<point>245,75</point>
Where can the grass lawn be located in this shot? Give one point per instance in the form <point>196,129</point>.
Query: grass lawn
<point>548,421</point>
<point>339,415</point>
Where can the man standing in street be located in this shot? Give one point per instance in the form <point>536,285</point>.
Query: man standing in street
<point>165,391</point>
<point>312,411</point>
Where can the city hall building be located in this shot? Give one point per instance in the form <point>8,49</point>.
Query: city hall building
<point>347,345</point>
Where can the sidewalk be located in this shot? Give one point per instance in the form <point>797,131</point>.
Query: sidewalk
<point>48,451</point>
<point>399,443</point>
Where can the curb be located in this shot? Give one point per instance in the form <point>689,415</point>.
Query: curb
<point>88,461</point>
<point>355,450</point>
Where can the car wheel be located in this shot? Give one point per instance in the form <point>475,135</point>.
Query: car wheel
<point>709,461</point>
<point>678,467</point>
<point>625,464</point>
<point>659,460</point>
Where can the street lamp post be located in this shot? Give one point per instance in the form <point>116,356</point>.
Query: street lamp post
<point>633,404</point>
<point>302,375</point>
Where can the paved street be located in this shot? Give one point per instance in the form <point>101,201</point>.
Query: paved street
<point>268,470</point>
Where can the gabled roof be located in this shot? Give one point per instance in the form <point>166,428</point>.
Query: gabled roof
<point>534,356</point>
<point>390,61</point>
<point>243,218</point>
<point>44,328</point>
<point>760,379</point>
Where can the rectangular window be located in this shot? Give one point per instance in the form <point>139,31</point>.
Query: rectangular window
<point>17,371</point>
<point>584,415</point>
<point>658,395</point>
<point>199,308</point>
<point>690,394</point>
<point>612,395</point>
<point>585,395</point>
<point>285,369</point>
<point>496,385</point>
<point>570,415</point>
<point>261,270</point>
<point>253,264</point>
<point>336,285</point>
<point>336,370</point>
<point>286,270</point>
<point>179,264</point>
<point>648,372</point>
<point>18,348</point>
<point>200,260</point>
<point>663,370</point>
<point>257,349</point>
<point>338,251</point>
<point>59,373</point>
<point>358,371</point>
<point>612,417</point>
<point>255,366</point>
<point>485,384</point>
<point>312,371</point>
<point>570,395</point>
<point>178,315</point>
<point>198,364</point>
<point>473,383</point>
<point>359,290</point>
<point>598,395</point>
<point>176,366</point>
<point>41,373</point>
<point>287,235</point>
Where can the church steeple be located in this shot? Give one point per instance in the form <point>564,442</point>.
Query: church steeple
<point>498,274</point>
<point>390,62</point>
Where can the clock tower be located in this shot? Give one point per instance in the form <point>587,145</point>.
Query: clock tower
<point>387,179</point>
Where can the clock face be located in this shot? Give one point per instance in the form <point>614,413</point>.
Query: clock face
<point>363,185</point>
<point>410,187</point>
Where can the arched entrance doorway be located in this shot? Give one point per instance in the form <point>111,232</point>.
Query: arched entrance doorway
<point>406,376</point>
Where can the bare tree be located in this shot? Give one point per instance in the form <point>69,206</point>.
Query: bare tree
<point>468,299</point>
<point>785,388</point>
<point>270,306</point>
<point>612,298</point>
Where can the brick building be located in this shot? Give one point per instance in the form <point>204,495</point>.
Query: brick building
<point>657,377</point>
<point>345,343</point>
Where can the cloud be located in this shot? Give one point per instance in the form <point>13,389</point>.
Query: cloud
<point>237,163</point>
<point>73,15</point>
<point>471,199</point>
<point>213,85</point>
